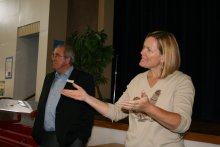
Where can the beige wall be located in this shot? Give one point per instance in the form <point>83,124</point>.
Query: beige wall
<point>16,13</point>
<point>55,24</point>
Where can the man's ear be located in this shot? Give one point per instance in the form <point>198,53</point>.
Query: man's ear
<point>68,59</point>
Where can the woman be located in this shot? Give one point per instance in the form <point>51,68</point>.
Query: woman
<point>158,102</point>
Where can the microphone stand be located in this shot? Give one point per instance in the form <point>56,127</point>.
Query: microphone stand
<point>115,78</point>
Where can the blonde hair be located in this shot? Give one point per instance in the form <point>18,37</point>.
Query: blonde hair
<point>168,46</point>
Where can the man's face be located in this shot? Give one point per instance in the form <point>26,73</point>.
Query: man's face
<point>59,62</point>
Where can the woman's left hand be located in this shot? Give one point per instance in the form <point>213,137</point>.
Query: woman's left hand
<point>137,104</point>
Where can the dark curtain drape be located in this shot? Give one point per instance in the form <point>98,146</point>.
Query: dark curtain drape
<point>196,27</point>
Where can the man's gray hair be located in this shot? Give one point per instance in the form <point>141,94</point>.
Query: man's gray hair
<point>68,53</point>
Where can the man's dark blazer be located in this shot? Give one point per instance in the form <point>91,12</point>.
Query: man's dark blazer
<point>74,119</point>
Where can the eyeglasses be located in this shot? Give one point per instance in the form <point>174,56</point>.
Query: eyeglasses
<point>57,56</point>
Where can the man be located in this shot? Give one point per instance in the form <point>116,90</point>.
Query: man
<point>60,121</point>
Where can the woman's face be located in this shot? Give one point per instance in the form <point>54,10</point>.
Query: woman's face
<point>150,54</point>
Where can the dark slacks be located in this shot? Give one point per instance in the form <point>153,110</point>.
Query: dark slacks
<point>50,140</point>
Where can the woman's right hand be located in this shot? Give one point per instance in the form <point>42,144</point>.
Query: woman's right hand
<point>81,95</point>
<point>78,94</point>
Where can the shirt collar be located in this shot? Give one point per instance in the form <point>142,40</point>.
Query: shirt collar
<point>66,74</point>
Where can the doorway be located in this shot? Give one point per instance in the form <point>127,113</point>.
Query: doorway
<point>26,66</point>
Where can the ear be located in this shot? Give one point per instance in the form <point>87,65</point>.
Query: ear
<point>68,60</point>
<point>162,58</point>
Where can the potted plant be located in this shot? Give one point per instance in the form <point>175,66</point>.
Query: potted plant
<point>92,55</point>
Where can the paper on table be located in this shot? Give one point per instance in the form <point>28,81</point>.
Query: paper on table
<point>15,106</point>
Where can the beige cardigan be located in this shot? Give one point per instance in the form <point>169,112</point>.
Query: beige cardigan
<point>177,95</point>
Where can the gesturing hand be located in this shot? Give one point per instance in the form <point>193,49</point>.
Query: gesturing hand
<point>137,104</point>
<point>78,94</point>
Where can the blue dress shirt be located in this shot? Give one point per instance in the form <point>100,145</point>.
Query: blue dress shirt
<point>53,99</point>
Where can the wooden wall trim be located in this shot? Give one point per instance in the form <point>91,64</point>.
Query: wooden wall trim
<point>28,29</point>
<point>202,137</point>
